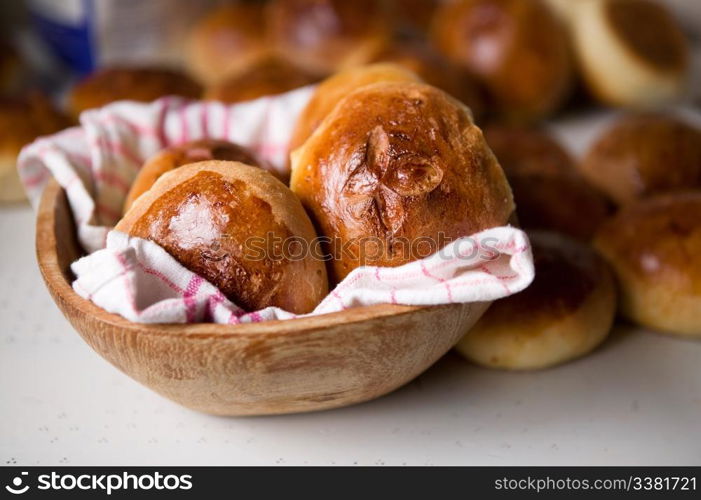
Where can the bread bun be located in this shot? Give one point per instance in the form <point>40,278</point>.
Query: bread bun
<point>528,150</point>
<point>395,164</point>
<point>266,77</point>
<point>548,191</point>
<point>177,156</point>
<point>435,70</point>
<point>133,84</point>
<point>23,119</point>
<point>325,36</point>
<point>233,224</point>
<point>336,87</point>
<point>519,49</point>
<point>640,155</point>
<point>654,247</point>
<point>565,313</point>
<point>226,41</point>
<point>631,52</point>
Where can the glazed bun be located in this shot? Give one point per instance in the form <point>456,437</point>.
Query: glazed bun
<point>227,41</point>
<point>528,150</point>
<point>548,190</point>
<point>394,164</point>
<point>640,155</point>
<point>325,36</point>
<point>519,49</point>
<point>654,247</point>
<point>435,70</point>
<point>190,152</point>
<point>266,77</point>
<point>133,84</point>
<point>631,52</point>
<point>207,214</point>
<point>565,313</point>
<point>338,86</point>
<point>23,119</point>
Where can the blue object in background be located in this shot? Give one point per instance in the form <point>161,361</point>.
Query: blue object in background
<point>69,37</point>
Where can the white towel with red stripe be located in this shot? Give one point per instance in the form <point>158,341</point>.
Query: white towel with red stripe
<point>137,279</point>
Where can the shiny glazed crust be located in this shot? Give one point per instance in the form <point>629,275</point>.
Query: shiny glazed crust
<point>435,70</point>
<point>177,156</point>
<point>394,163</point>
<point>239,228</point>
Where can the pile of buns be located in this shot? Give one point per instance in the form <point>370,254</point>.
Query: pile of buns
<point>382,158</point>
<point>387,150</point>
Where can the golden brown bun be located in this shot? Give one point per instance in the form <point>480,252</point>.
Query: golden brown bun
<point>268,76</point>
<point>630,52</point>
<point>23,119</point>
<point>392,163</point>
<point>642,155</point>
<point>654,247</point>
<point>548,190</point>
<point>227,41</point>
<point>336,87</point>
<point>437,71</point>
<point>565,313</point>
<point>190,152</point>
<point>134,84</point>
<point>519,49</point>
<point>218,218</point>
<point>325,36</point>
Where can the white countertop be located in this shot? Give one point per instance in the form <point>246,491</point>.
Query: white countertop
<point>635,401</point>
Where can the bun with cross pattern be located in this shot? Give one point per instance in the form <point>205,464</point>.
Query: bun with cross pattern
<point>395,164</point>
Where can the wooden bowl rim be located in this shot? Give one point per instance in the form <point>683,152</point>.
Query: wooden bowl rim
<point>47,257</point>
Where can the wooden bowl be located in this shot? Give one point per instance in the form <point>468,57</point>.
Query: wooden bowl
<point>273,367</point>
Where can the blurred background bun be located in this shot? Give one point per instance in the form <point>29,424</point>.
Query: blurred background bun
<point>227,41</point>
<point>549,192</point>
<point>11,69</point>
<point>183,154</point>
<point>565,313</point>
<point>203,214</point>
<point>268,76</point>
<point>124,83</point>
<point>644,154</point>
<point>654,247</point>
<point>520,50</point>
<point>398,162</point>
<point>22,119</point>
<point>435,70</point>
<point>630,52</point>
<point>324,36</point>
